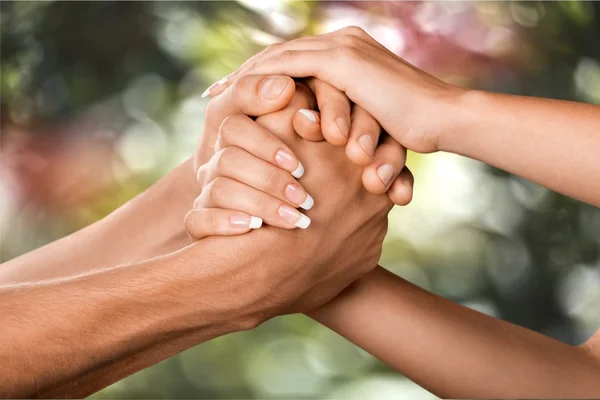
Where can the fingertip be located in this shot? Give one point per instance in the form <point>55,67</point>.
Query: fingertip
<point>333,133</point>
<point>278,88</point>
<point>216,88</point>
<point>307,125</point>
<point>401,191</point>
<point>401,194</point>
<point>255,222</point>
<point>357,154</point>
<point>310,115</point>
<point>258,95</point>
<point>371,181</point>
<point>299,171</point>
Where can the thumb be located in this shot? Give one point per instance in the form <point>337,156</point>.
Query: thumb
<point>252,95</point>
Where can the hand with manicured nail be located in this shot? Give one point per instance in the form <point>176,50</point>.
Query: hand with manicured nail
<point>252,95</point>
<point>338,121</point>
<point>246,181</point>
<point>257,95</point>
<point>253,181</point>
<point>519,134</point>
<point>251,176</point>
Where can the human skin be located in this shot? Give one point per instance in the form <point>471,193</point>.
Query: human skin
<point>449,349</point>
<point>131,290</point>
<point>445,347</point>
<point>385,169</point>
<point>553,143</point>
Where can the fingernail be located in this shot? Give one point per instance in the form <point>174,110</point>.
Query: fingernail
<point>343,125</point>
<point>297,195</point>
<point>246,221</point>
<point>299,171</point>
<point>255,222</point>
<point>309,115</point>
<point>288,162</point>
<point>213,87</point>
<point>366,142</point>
<point>294,217</point>
<point>385,172</point>
<point>272,88</point>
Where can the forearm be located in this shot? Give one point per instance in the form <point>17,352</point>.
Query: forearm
<point>77,330</point>
<point>550,142</point>
<point>454,351</point>
<point>149,225</point>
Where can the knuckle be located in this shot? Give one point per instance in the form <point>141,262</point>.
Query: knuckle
<point>272,177</point>
<point>219,185</point>
<point>273,48</point>
<point>347,53</point>
<point>256,204</point>
<point>216,190</point>
<point>223,159</point>
<point>198,202</point>
<point>228,126</point>
<point>350,41</point>
<point>202,174</point>
<point>192,224</point>
<point>284,55</point>
<point>354,30</point>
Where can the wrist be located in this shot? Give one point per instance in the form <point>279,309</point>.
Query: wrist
<point>231,277</point>
<point>460,120</point>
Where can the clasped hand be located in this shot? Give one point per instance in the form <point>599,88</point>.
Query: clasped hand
<point>277,169</point>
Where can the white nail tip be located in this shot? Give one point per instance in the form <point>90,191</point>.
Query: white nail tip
<point>299,171</point>
<point>255,222</point>
<point>303,222</point>
<point>308,115</point>
<point>308,202</point>
<point>218,83</point>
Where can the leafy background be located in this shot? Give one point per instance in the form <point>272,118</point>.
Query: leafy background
<point>100,99</point>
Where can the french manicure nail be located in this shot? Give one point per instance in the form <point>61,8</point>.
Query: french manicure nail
<point>297,195</point>
<point>294,217</point>
<point>213,87</point>
<point>288,162</point>
<point>309,115</point>
<point>272,87</point>
<point>385,173</point>
<point>308,202</point>
<point>343,125</point>
<point>285,160</point>
<point>366,142</point>
<point>255,222</point>
<point>299,171</point>
<point>246,221</point>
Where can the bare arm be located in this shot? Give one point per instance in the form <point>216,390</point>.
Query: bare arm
<point>449,349</point>
<point>551,142</point>
<point>70,337</point>
<point>86,331</point>
<point>149,225</point>
<point>454,351</point>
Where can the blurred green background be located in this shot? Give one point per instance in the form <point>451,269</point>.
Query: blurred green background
<point>100,99</point>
